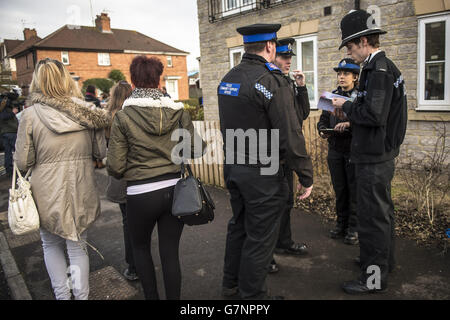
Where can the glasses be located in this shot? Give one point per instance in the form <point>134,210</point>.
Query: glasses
<point>47,60</point>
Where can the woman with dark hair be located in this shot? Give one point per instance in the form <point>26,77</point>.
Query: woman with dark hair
<point>116,191</point>
<point>342,171</point>
<point>91,96</point>
<point>140,152</point>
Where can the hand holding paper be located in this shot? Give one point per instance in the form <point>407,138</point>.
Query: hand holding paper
<point>326,101</point>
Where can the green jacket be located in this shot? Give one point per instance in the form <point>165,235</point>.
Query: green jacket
<point>140,145</point>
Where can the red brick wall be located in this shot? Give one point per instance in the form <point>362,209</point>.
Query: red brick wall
<point>85,65</point>
<point>24,73</point>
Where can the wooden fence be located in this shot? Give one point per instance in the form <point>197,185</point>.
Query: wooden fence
<point>209,168</point>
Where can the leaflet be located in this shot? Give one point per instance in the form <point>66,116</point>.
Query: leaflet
<point>325,102</point>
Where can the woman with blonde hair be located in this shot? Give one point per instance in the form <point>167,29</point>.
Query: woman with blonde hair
<point>57,137</point>
<point>116,190</point>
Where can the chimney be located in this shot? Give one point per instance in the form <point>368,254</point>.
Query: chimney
<point>103,23</point>
<point>29,33</point>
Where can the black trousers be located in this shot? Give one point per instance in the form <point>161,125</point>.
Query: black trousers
<point>126,239</point>
<point>253,230</point>
<point>144,211</point>
<point>285,236</point>
<point>342,173</point>
<point>376,217</point>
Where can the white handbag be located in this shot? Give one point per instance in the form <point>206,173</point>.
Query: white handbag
<point>23,216</point>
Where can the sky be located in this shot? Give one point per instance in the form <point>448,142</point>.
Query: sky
<point>173,22</point>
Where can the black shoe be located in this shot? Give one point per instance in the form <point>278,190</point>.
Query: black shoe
<point>295,249</point>
<point>351,238</point>
<point>129,275</point>
<point>359,287</point>
<point>338,232</point>
<point>273,267</point>
<point>229,292</point>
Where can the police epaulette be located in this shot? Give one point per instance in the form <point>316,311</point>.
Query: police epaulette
<point>380,65</point>
<point>272,67</point>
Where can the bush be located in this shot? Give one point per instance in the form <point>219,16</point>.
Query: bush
<point>100,83</point>
<point>195,112</point>
<point>192,102</point>
<point>116,75</point>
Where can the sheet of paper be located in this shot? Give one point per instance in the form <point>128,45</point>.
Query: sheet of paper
<point>325,101</point>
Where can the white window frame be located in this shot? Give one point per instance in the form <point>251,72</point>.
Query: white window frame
<point>66,55</point>
<point>229,11</point>
<point>432,105</point>
<point>299,41</point>
<point>169,62</point>
<point>101,59</point>
<point>233,51</point>
<point>173,78</point>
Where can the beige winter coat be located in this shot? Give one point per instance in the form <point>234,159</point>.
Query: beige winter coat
<point>58,139</point>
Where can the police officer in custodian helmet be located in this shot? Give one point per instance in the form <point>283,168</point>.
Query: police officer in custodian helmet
<point>378,118</point>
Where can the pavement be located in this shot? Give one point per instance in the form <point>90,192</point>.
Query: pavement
<point>422,273</point>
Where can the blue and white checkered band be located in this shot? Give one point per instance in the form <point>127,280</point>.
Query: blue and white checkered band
<point>264,91</point>
<point>362,94</point>
<point>260,37</point>
<point>399,81</point>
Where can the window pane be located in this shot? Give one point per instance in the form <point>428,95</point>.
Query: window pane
<point>309,77</point>
<point>294,58</point>
<point>307,56</point>
<point>435,41</point>
<point>434,81</point>
<point>231,4</point>
<point>435,61</point>
<point>65,57</point>
<point>236,58</point>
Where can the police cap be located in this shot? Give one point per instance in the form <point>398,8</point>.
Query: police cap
<point>284,47</point>
<point>259,32</point>
<point>347,64</point>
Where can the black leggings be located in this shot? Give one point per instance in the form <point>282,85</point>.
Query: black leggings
<point>143,212</point>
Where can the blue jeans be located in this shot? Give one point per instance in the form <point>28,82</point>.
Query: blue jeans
<point>9,143</point>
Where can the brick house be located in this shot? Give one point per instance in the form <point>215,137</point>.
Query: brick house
<point>417,41</point>
<point>8,64</point>
<point>92,52</point>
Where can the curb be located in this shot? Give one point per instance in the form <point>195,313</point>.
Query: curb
<point>16,283</point>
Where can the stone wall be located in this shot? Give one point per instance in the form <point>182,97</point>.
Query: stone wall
<point>397,17</point>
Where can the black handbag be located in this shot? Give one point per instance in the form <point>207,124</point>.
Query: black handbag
<point>192,203</point>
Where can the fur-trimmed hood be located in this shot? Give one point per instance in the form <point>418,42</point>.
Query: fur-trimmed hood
<point>70,114</point>
<point>154,116</point>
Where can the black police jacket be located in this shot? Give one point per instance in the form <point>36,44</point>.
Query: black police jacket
<point>337,141</point>
<point>379,115</point>
<point>255,95</point>
<point>302,106</point>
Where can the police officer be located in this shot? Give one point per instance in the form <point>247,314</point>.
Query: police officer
<point>342,170</point>
<point>378,117</point>
<point>283,61</point>
<point>255,101</point>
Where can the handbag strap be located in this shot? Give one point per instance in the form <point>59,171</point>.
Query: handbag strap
<point>16,170</point>
<point>184,165</point>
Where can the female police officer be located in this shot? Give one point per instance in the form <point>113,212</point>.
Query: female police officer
<point>341,169</point>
